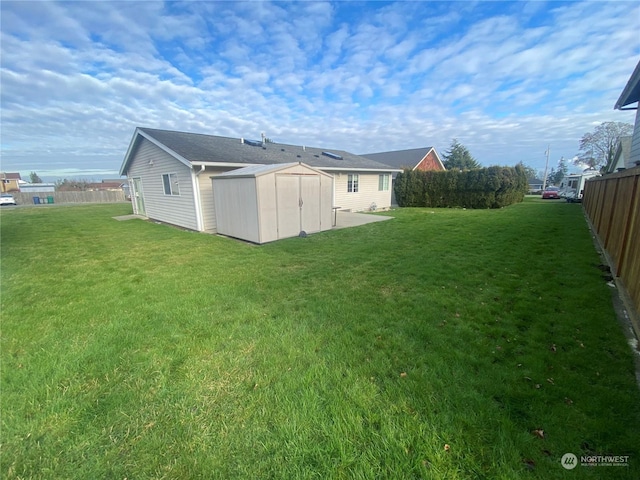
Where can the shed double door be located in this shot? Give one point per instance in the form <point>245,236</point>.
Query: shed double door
<point>298,204</point>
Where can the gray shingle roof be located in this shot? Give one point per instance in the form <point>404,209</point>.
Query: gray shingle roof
<point>400,158</point>
<point>199,148</point>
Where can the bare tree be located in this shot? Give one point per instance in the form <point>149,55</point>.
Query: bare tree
<point>598,148</point>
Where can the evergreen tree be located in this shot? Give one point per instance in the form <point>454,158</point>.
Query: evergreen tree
<point>34,178</point>
<point>459,158</point>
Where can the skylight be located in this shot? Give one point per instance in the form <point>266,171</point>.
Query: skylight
<point>332,155</point>
<point>253,143</point>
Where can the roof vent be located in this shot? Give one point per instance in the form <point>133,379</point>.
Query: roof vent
<point>335,156</point>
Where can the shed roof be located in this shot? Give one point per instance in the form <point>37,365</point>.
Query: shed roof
<point>402,158</point>
<point>259,170</point>
<point>631,92</point>
<point>200,149</point>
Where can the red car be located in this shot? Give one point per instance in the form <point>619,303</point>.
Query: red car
<point>551,192</point>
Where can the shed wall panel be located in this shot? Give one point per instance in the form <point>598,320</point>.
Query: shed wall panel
<point>237,208</point>
<point>287,197</point>
<point>311,203</point>
<point>326,205</point>
<point>267,211</point>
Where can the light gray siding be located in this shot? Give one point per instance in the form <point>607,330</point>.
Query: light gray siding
<point>635,143</point>
<point>149,164</point>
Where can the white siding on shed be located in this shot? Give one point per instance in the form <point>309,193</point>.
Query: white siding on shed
<point>366,195</point>
<point>269,202</point>
<point>149,164</point>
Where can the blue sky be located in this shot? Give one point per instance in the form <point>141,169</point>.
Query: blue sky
<point>504,78</point>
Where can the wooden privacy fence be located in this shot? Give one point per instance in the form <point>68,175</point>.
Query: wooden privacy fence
<point>612,203</point>
<point>104,196</point>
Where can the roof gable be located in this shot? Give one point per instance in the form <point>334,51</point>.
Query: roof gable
<point>404,158</point>
<point>631,92</point>
<point>200,149</point>
<point>621,155</point>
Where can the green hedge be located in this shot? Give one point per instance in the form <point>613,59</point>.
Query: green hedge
<point>492,187</point>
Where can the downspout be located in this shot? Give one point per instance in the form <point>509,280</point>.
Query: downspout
<point>197,199</point>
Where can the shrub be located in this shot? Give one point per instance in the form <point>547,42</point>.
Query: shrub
<point>492,187</point>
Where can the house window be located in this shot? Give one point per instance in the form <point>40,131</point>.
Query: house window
<point>170,182</point>
<point>352,183</point>
<point>383,182</point>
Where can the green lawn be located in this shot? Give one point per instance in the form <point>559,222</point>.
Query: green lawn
<point>444,344</point>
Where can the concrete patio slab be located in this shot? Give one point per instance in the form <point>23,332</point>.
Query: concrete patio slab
<point>352,219</point>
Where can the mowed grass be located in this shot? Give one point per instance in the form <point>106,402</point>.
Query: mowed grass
<point>442,344</point>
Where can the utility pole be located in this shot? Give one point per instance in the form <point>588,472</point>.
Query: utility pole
<point>546,168</point>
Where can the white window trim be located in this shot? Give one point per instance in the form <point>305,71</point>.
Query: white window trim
<point>176,182</point>
<point>353,182</point>
<point>384,177</point>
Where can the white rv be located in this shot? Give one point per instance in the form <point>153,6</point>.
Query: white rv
<point>572,186</point>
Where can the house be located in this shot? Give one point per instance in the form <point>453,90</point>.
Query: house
<point>620,159</point>
<point>535,186</point>
<point>10,182</point>
<point>424,159</point>
<point>631,95</point>
<point>170,174</point>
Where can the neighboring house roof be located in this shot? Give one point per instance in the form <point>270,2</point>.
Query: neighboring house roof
<point>200,149</point>
<point>406,158</point>
<point>10,176</point>
<point>535,181</point>
<point>631,92</point>
<point>621,155</point>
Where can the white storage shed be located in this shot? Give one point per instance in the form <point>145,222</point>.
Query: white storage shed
<point>263,203</point>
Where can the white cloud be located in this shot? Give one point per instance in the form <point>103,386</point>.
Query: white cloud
<point>505,79</point>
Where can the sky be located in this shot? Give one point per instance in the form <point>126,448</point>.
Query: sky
<point>506,79</point>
